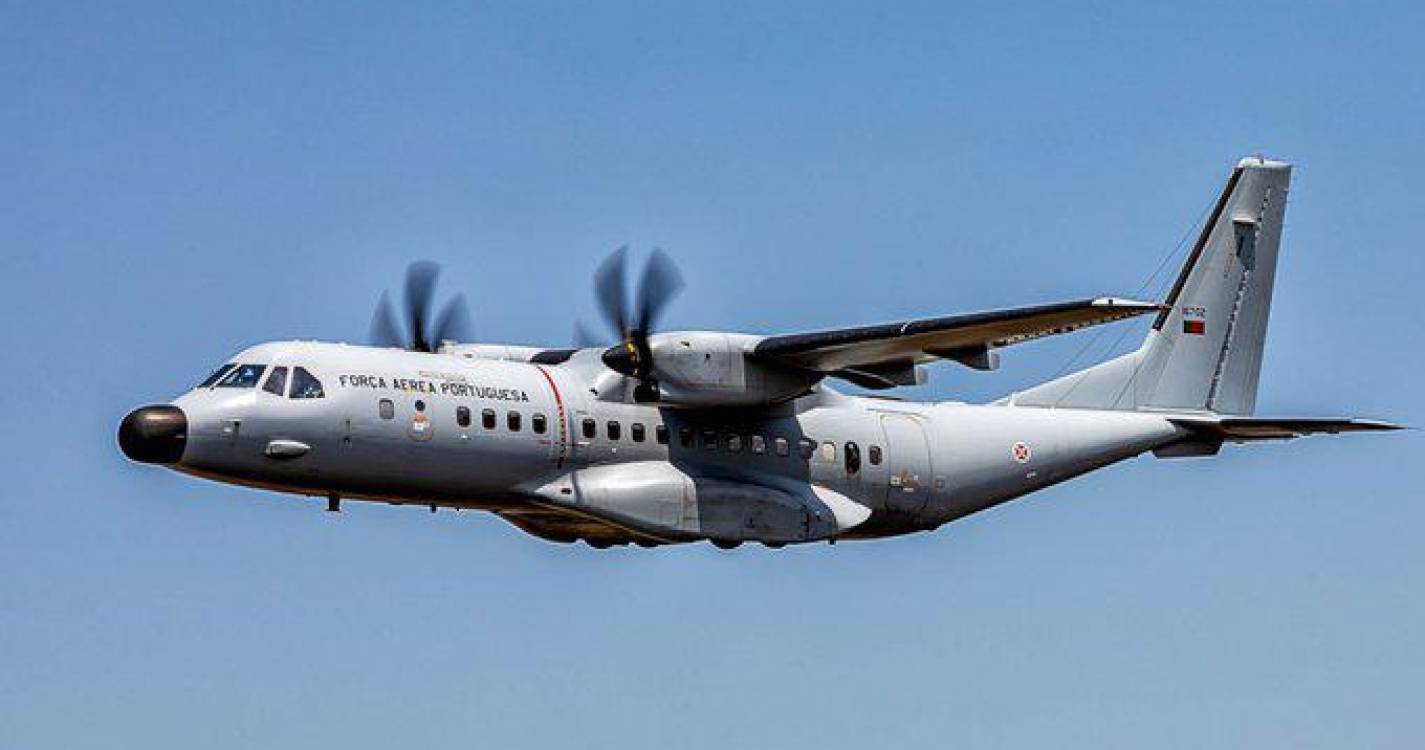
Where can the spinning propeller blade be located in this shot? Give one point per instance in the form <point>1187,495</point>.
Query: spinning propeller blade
<point>420,333</point>
<point>385,330</point>
<point>453,323</point>
<point>583,338</point>
<point>659,284</point>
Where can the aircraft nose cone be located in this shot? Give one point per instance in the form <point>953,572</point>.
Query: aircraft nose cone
<point>154,434</point>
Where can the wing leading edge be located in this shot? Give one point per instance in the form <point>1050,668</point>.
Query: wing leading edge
<point>969,339</point>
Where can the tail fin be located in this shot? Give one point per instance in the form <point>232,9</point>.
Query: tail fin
<point>1204,351</point>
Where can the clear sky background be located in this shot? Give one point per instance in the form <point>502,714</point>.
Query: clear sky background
<point>180,182</point>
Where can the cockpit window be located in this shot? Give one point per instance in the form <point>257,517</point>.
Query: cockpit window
<point>218,373</point>
<point>276,382</point>
<point>242,376</point>
<point>304,385</point>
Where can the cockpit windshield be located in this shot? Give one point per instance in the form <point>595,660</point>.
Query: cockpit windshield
<point>242,376</point>
<point>218,373</point>
<point>304,385</point>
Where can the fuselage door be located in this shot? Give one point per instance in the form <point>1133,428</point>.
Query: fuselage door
<point>908,468</point>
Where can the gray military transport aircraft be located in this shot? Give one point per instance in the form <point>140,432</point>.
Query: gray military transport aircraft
<point>683,436</point>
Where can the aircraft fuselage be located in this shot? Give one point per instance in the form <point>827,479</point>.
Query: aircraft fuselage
<point>431,429</point>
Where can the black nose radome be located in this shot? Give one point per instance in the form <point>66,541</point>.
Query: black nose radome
<point>154,434</point>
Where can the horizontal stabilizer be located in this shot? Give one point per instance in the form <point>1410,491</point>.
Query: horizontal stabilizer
<point>1253,428</point>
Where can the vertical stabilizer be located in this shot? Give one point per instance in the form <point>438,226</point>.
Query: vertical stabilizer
<point>1204,351</point>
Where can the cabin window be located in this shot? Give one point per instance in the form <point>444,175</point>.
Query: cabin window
<point>590,427</point>
<point>660,434</point>
<point>462,416</point>
<point>637,432</point>
<point>685,437</point>
<point>828,451</point>
<point>759,444</point>
<point>781,447</point>
<point>242,376</point>
<point>215,375</point>
<point>512,421</point>
<point>614,430</point>
<point>874,453</point>
<point>710,439</point>
<point>487,418</point>
<point>304,385</point>
<point>386,409</point>
<point>539,424</point>
<point>734,443</point>
<point>276,382</point>
<point>806,447</point>
<point>852,456</point>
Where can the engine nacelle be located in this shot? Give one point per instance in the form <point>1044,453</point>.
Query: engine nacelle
<point>705,368</point>
<point>491,351</point>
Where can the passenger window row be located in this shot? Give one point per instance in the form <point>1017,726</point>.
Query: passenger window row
<point>736,443</point>
<point>613,430</point>
<point>514,421</point>
<point>638,433</point>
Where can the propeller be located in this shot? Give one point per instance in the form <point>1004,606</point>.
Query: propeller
<point>633,323</point>
<point>583,338</point>
<point>421,332</point>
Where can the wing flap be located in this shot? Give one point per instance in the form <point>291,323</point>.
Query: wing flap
<point>959,337</point>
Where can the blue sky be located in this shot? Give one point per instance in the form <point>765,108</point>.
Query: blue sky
<point>181,181</point>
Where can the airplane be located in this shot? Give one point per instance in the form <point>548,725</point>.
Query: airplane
<point>669,437</point>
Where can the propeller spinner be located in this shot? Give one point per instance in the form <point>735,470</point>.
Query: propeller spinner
<point>421,332</point>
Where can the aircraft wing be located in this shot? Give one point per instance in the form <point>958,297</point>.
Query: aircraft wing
<point>1253,428</point>
<point>877,352</point>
